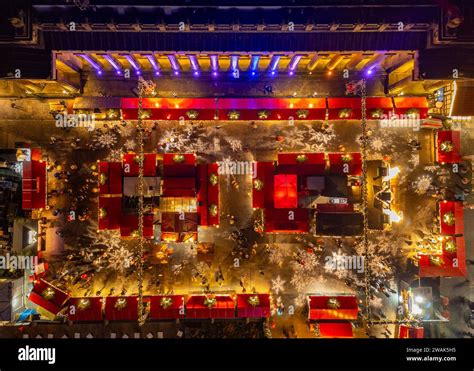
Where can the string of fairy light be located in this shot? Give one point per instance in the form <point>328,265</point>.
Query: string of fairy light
<point>363,93</point>
<point>142,86</point>
<point>367,275</point>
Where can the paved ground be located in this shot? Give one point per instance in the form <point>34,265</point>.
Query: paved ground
<point>272,266</point>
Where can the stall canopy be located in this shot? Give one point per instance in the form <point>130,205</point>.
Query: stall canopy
<point>262,188</point>
<point>448,146</point>
<point>129,225</point>
<point>34,185</point>
<point>253,305</point>
<point>345,163</point>
<point>166,307</point>
<point>202,306</point>
<point>110,178</point>
<point>342,307</point>
<point>85,309</point>
<point>48,296</point>
<point>179,165</point>
<point>121,308</point>
<point>344,108</point>
<point>301,163</point>
<point>451,216</point>
<point>417,107</point>
<point>285,192</point>
<point>335,329</point>
<point>286,220</point>
<point>130,164</point>
<point>377,106</point>
<point>411,332</point>
<point>450,263</point>
<point>110,212</point>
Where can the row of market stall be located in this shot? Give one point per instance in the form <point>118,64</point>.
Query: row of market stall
<point>186,193</point>
<point>343,108</point>
<point>450,259</point>
<point>286,190</point>
<point>329,316</point>
<point>159,307</point>
<point>448,255</point>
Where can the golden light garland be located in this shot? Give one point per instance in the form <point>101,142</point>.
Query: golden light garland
<point>301,158</point>
<point>121,303</point>
<point>258,184</point>
<point>333,303</point>
<point>213,179</point>
<point>178,158</point>
<point>84,304</point>
<point>48,293</point>
<point>166,302</point>
<point>254,300</point>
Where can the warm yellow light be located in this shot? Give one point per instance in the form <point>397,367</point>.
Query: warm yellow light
<point>392,173</point>
<point>393,216</point>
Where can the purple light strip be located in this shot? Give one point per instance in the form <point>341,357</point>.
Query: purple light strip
<point>153,62</point>
<point>274,62</point>
<point>234,62</point>
<point>133,62</point>
<point>294,62</point>
<point>214,62</point>
<point>92,62</point>
<point>194,62</point>
<point>113,62</point>
<point>174,62</point>
<point>254,62</point>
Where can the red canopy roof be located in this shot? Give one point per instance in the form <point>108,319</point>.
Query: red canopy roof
<point>110,177</point>
<point>278,220</point>
<point>48,296</point>
<point>337,165</point>
<point>166,307</point>
<point>224,307</point>
<point>411,332</point>
<point>335,105</point>
<point>34,185</point>
<point>249,307</point>
<point>172,159</point>
<point>403,104</point>
<point>286,192</point>
<point>447,264</point>
<point>343,307</point>
<point>112,206</point>
<point>447,138</point>
<point>129,224</point>
<point>451,216</point>
<point>301,163</point>
<point>130,164</point>
<point>335,329</point>
<point>121,308</point>
<point>85,309</point>
<point>179,187</point>
<point>263,197</point>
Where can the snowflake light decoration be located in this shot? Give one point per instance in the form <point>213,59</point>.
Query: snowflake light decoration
<point>130,144</point>
<point>278,285</point>
<point>119,259</point>
<point>422,184</point>
<point>105,140</point>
